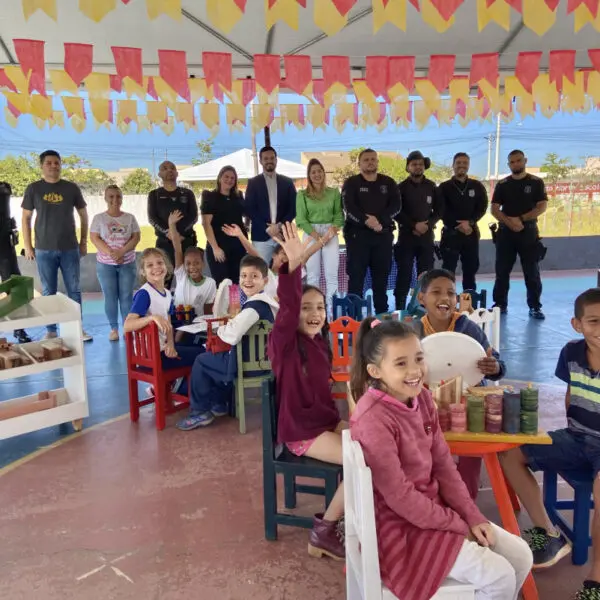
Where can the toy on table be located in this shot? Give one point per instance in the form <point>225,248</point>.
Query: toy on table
<point>511,412</point>
<point>221,303</point>
<point>458,418</point>
<point>446,395</point>
<point>182,315</point>
<point>493,413</point>
<point>529,410</point>
<point>475,414</point>
<point>235,305</point>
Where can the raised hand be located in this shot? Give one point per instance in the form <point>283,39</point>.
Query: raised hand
<point>232,231</point>
<point>293,246</point>
<point>175,217</point>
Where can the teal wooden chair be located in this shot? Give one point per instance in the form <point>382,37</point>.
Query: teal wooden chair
<point>254,368</point>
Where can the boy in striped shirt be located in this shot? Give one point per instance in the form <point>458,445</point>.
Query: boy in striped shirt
<point>575,448</point>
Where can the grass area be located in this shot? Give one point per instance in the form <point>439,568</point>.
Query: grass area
<point>558,221</point>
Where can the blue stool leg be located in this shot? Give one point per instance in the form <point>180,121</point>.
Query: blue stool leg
<point>581,524</point>
<point>289,487</point>
<point>550,491</point>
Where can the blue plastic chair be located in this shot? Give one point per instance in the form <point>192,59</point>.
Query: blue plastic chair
<point>363,307</point>
<point>342,306</point>
<point>582,483</point>
<point>478,299</point>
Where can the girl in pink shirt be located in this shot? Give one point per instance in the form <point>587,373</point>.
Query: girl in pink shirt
<point>428,527</point>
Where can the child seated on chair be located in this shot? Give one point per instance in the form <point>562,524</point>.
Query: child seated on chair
<point>278,259</point>
<point>438,296</point>
<point>152,303</point>
<point>309,423</point>
<point>575,448</point>
<point>428,526</point>
<point>213,374</point>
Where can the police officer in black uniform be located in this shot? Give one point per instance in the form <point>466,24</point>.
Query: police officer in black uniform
<point>9,238</point>
<point>416,221</point>
<point>463,202</point>
<point>518,201</point>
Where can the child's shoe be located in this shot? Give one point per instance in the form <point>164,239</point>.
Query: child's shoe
<point>195,421</point>
<point>326,539</point>
<point>219,410</point>
<point>547,549</point>
<point>589,591</point>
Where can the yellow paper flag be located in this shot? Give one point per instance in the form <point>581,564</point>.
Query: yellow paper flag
<point>62,82</point>
<point>583,16</point>
<point>537,16</point>
<point>209,114</point>
<point>171,8</point>
<point>17,78</point>
<point>235,115</point>
<point>198,89</point>
<point>399,112</point>
<point>499,12</point>
<point>143,124</point>
<point>492,93</point>
<point>124,127</point>
<point>48,6</point>
<point>327,17</point>
<point>184,113</point>
<point>429,94</point>
<point>422,114</point>
<point>526,106</point>
<point>573,99</point>
<point>97,9</point>
<point>41,106</point>
<point>393,12</point>
<point>98,86</point>
<point>127,111</point>
<point>335,94</point>
<point>58,119</point>
<point>445,112</point>
<point>74,107</point>
<point>165,92</point>
<point>363,93</point>
<point>169,127</point>
<point>11,119</point>
<point>459,89</point>
<point>223,14</point>
<point>261,116</point>
<point>432,17</point>
<point>78,124</point>
<point>315,115</point>
<point>593,86</point>
<point>133,88</point>
<point>545,94</point>
<point>282,10</point>
<point>100,111</point>
<point>156,112</point>
<point>20,101</point>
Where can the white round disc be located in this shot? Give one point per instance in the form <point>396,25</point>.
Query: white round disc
<point>221,304</point>
<point>449,354</point>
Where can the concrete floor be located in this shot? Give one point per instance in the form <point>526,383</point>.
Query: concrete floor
<point>121,511</point>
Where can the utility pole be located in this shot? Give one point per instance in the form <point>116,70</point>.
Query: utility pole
<point>153,165</point>
<point>497,146</point>
<point>490,140</point>
<point>254,151</point>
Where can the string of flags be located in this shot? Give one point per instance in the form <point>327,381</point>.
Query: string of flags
<point>332,15</point>
<point>384,95</point>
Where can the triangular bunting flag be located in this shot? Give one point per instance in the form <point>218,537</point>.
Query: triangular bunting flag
<point>171,8</point>
<point>97,9</point>
<point>31,6</point>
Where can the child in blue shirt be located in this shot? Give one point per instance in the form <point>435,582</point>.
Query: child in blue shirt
<point>213,374</point>
<point>575,448</point>
<point>438,296</point>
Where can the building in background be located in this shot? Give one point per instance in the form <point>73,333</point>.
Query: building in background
<point>333,160</point>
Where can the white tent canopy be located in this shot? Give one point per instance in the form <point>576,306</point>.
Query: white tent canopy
<point>243,163</point>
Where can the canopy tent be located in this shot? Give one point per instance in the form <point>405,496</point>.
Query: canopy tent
<point>243,163</point>
<point>178,52</point>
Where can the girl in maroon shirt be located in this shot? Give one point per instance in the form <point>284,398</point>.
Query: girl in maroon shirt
<point>308,421</point>
<point>428,527</point>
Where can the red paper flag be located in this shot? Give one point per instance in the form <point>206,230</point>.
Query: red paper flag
<point>461,108</point>
<point>13,109</point>
<point>298,72</point>
<point>441,70</point>
<point>527,68</point>
<point>376,74</point>
<point>595,58</point>
<point>484,66</point>
<point>267,72</point>
<point>446,8</point>
<point>6,82</point>
<point>79,61</point>
<point>152,89</point>
<point>552,4</point>
<point>248,91</point>
<point>241,4</point>
<point>402,70</point>
<point>343,6</point>
<point>319,91</point>
<point>128,62</point>
<point>217,69</point>
<point>116,83</point>
<point>561,64</point>
<point>336,69</point>
<point>415,3</point>
<point>172,67</point>
<point>516,4</point>
<point>30,54</point>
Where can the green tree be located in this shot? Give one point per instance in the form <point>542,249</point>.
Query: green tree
<point>205,152</point>
<point>138,182</point>
<point>19,171</point>
<point>439,173</point>
<point>556,168</point>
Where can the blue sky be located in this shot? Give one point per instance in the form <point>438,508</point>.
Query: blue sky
<point>575,136</point>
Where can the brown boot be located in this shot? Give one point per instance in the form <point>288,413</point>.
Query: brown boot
<point>326,538</point>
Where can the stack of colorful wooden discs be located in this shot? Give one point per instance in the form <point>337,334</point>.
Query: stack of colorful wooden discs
<point>476,414</point>
<point>493,413</point>
<point>444,418</point>
<point>511,412</point>
<point>529,410</point>
<point>458,418</point>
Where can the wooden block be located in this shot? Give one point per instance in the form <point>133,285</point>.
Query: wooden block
<point>10,359</point>
<point>4,345</point>
<point>52,350</point>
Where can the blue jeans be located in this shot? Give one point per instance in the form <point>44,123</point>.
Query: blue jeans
<point>48,264</point>
<point>212,381</point>
<point>117,282</point>
<point>266,249</point>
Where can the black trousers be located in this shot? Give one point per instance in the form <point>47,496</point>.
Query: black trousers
<point>509,245</point>
<point>409,248</point>
<point>366,249</point>
<point>230,269</point>
<point>166,246</point>
<point>456,245</point>
<point>9,265</point>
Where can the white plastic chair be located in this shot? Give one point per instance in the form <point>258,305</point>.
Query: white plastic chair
<point>363,578</point>
<point>489,321</point>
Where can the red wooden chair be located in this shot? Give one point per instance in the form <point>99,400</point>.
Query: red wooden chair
<point>343,337</point>
<point>144,364</point>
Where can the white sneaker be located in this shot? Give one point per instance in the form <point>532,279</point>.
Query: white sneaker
<point>85,336</point>
<point>50,335</point>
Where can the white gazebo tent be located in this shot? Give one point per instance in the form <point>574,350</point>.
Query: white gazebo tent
<point>243,163</point>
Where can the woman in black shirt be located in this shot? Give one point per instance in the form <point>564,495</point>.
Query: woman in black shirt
<point>223,206</point>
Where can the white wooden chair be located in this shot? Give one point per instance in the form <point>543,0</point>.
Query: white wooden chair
<point>489,321</point>
<point>363,579</point>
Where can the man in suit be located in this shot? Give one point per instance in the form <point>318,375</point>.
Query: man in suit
<point>270,202</point>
